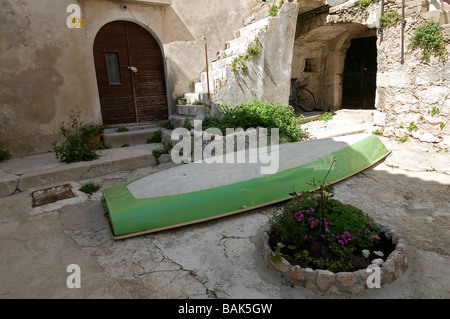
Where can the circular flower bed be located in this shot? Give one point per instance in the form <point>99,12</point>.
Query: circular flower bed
<point>327,246</point>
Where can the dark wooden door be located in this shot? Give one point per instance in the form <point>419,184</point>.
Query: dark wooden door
<point>130,74</point>
<point>360,73</point>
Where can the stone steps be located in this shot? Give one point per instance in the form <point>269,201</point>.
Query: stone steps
<point>134,136</point>
<point>219,69</point>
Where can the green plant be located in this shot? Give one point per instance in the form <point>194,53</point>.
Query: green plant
<point>257,113</point>
<point>238,64</point>
<point>341,228</point>
<point>187,125</point>
<point>429,38</point>
<point>156,138</point>
<point>125,145</point>
<point>276,256</point>
<point>4,155</point>
<point>434,111</point>
<point>442,125</point>
<point>413,127</point>
<point>90,188</point>
<point>402,139</point>
<point>92,130</point>
<point>390,18</point>
<point>364,4</point>
<point>122,129</point>
<point>195,102</point>
<point>76,146</point>
<point>253,50</point>
<point>167,125</point>
<point>377,132</point>
<point>273,9</point>
<point>167,147</point>
<point>325,116</point>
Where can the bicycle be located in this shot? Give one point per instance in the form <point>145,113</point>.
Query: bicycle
<point>301,97</point>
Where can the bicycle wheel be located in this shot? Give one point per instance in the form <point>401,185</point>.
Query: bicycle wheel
<point>306,100</point>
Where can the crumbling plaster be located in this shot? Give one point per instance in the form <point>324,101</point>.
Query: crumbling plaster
<point>47,69</point>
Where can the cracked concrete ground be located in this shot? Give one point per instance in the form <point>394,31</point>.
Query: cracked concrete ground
<point>222,258</point>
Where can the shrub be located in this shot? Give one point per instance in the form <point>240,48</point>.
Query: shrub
<point>325,116</point>
<point>76,146</point>
<point>160,151</point>
<point>429,38</point>
<point>90,188</point>
<point>92,130</point>
<point>4,155</point>
<point>156,138</point>
<point>259,114</point>
<point>364,4</point>
<point>390,18</point>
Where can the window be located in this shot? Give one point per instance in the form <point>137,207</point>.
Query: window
<point>310,65</point>
<point>112,61</point>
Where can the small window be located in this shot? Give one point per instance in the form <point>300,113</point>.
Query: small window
<point>112,60</point>
<point>310,65</point>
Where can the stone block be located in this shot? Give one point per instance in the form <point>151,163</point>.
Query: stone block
<point>346,279</point>
<point>282,266</point>
<point>325,279</point>
<point>8,183</point>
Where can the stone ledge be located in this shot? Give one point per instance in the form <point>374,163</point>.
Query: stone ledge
<point>323,281</point>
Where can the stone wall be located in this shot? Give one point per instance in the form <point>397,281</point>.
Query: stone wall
<point>415,90</point>
<point>408,91</point>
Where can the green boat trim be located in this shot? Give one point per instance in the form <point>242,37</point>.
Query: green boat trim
<point>129,216</point>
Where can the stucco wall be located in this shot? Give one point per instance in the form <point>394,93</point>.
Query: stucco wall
<point>47,69</point>
<point>268,76</point>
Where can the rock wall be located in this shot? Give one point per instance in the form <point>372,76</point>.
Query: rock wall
<point>414,94</point>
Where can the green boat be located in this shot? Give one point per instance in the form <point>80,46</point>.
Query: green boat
<point>196,192</point>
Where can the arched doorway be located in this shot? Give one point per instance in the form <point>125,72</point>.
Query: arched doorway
<point>360,74</point>
<point>130,74</point>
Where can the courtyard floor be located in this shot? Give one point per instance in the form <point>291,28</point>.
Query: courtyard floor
<point>408,192</point>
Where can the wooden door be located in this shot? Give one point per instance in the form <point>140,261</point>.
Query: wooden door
<point>130,74</point>
<point>360,73</point>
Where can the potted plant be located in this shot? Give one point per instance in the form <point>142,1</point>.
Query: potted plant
<point>181,101</point>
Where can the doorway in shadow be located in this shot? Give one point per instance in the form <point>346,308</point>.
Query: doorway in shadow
<point>360,74</point>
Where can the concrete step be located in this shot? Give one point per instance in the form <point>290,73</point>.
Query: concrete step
<point>22,174</point>
<point>134,136</point>
<point>192,110</point>
<point>180,120</point>
<point>223,63</point>
<point>199,87</point>
<point>258,14</point>
<point>255,27</point>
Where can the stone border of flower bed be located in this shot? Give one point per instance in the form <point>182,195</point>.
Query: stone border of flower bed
<point>324,281</point>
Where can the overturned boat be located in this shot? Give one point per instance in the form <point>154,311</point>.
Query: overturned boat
<point>205,190</point>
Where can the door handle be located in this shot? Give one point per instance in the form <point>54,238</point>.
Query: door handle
<point>133,69</point>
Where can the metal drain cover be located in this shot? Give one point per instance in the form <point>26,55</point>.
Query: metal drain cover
<point>52,195</point>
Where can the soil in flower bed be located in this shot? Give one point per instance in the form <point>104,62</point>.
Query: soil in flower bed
<point>317,249</point>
